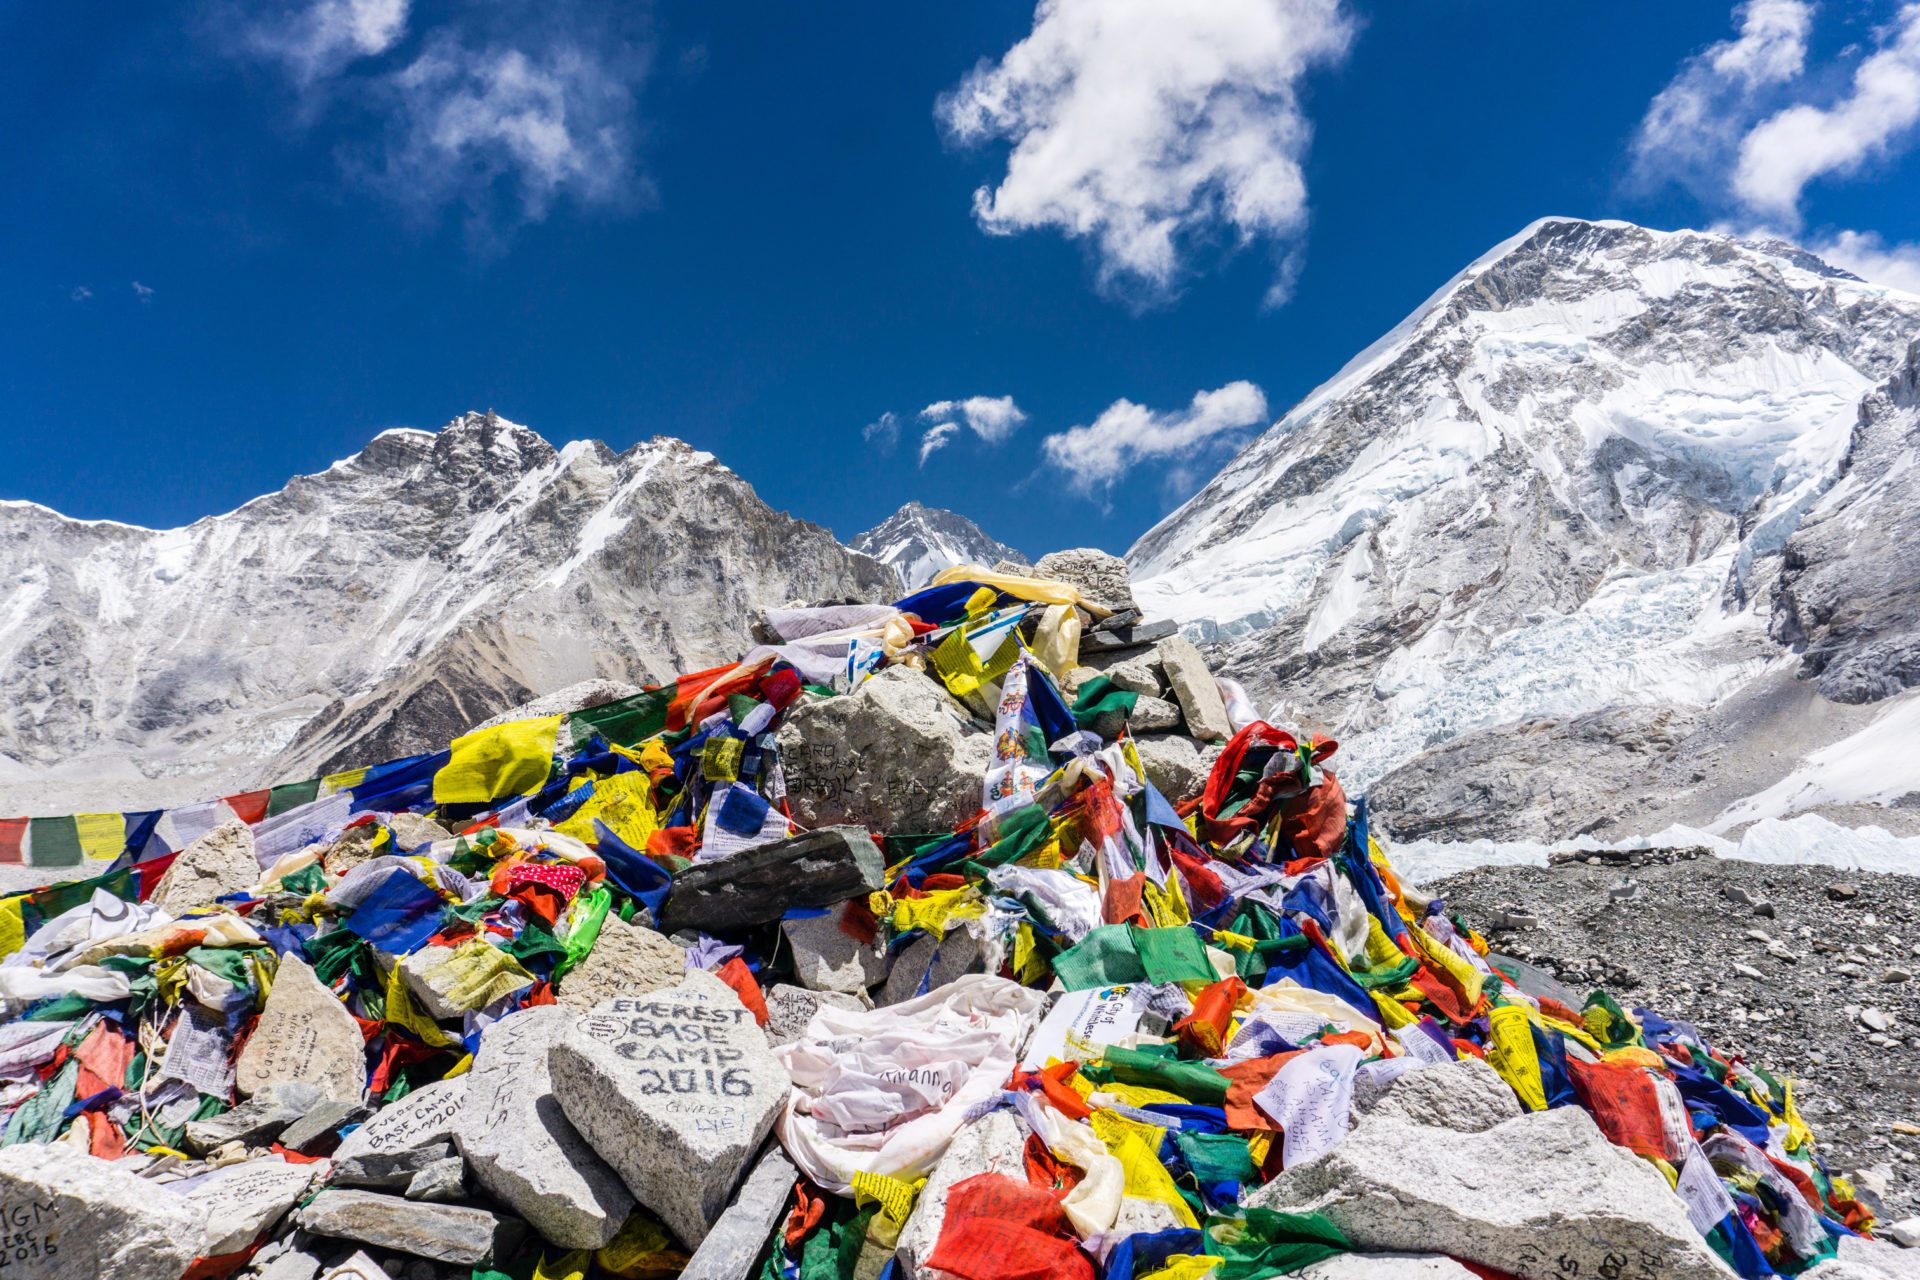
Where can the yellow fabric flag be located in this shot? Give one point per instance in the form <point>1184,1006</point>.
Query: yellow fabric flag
<point>1393,1014</point>
<point>1168,906</point>
<point>624,802</point>
<point>102,835</point>
<point>510,759</point>
<point>1145,1177</point>
<point>937,909</point>
<point>1510,1052</point>
<point>571,1265</point>
<point>403,1012</point>
<point>478,973</point>
<point>1184,1266</point>
<point>13,927</point>
<point>345,780</point>
<point>894,1196</point>
<point>642,1250</point>
<point>1465,977</point>
<point>1040,590</point>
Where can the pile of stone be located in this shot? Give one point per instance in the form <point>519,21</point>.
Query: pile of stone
<point>600,1022</point>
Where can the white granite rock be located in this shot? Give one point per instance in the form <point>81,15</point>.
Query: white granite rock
<point>72,1216</point>
<point>626,960</point>
<point>1528,1197</point>
<point>1387,1266</point>
<point>521,1147</point>
<point>217,864</point>
<point>304,1034</point>
<point>676,1089</point>
<point>1467,1096</point>
<point>242,1200</point>
<point>995,1143</point>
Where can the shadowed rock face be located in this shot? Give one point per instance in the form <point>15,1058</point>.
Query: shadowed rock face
<point>376,609</point>
<point>1849,591</point>
<point>1570,484</point>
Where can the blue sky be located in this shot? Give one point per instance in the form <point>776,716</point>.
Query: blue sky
<point>240,239</point>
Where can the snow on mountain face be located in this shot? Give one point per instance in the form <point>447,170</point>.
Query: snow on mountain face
<point>918,542</point>
<point>374,609</point>
<point>1562,486</point>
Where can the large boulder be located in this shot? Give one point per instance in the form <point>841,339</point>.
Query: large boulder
<point>757,885</point>
<point>1541,1197</point>
<point>1099,577</point>
<point>1467,1096</point>
<point>995,1143</point>
<point>217,864</point>
<point>402,1139</point>
<point>1176,764</point>
<point>626,960</point>
<point>72,1216</point>
<point>791,1008</point>
<point>516,1136</point>
<point>896,754</point>
<point>257,1121</point>
<point>828,958</point>
<point>677,1090</point>
<point>305,1035</point>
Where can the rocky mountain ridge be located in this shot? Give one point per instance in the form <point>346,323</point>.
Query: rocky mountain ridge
<point>919,541</point>
<point>376,608</point>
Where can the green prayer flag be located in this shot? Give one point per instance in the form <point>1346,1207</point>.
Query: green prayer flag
<point>1173,954</point>
<point>291,795</point>
<point>1106,957</point>
<point>626,722</point>
<point>1021,832</point>
<point>1194,1081</point>
<point>1263,1242</point>
<point>54,842</point>
<point>1099,696</point>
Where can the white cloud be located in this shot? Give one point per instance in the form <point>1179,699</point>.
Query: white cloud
<point>883,432</point>
<point>142,291</point>
<point>1796,145</point>
<point>503,108</point>
<point>992,418</point>
<point>1868,256</point>
<point>936,437</point>
<point>1693,126</point>
<point>1098,454</point>
<point>318,39</point>
<point>1143,125</point>
<point>81,293</point>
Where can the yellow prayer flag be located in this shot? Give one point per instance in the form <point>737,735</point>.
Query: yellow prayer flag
<point>1510,1052</point>
<point>13,927</point>
<point>102,835</point>
<point>510,759</point>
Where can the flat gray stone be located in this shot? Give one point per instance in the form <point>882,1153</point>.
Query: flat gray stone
<point>828,958</point>
<point>521,1146</point>
<point>217,864</point>
<point>936,960</point>
<point>444,1181</point>
<point>1108,639</point>
<point>304,1035</point>
<point>423,1118</point>
<point>1176,764</point>
<point>755,886</point>
<point>394,1171</point>
<point>1537,1196</point>
<point>257,1121</point>
<point>1149,715</point>
<point>1387,1266</point>
<point>411,830</point>
<point>315,1130</point>
<point>1193,687</point>
<point>291,1262</point>
<point>459,1234</point>
<point>241,1201</point>
<point>71,1216</point>
<point>1141,675</point>
<point>677,1090</point>
<point>626,960</point>
<point>734,1244</point>
<point>995,1143</point>
<point>358,1266</point>
<point>790,1008</point>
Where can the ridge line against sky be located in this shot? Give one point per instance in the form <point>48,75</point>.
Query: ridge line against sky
<point>1100,242</point>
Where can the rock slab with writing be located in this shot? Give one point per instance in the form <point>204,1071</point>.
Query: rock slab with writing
<point>677,1090</point>
<point>814,869</point>
<point>521,1146</point>
<point>626,960</point>
<point>422,1119</point>
<point>1527,1197</point>
<point>217,864</point>
<point>243,1200</point>
<point>896,754</point>
<point>304,1034</point>
<point>452,1233</point>
<point>257,1121</point>
<point>71,1216</point>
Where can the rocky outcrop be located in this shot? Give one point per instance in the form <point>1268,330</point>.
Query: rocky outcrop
<point>217,864</point>
<point>917,542</point>
<point>72,1216</point>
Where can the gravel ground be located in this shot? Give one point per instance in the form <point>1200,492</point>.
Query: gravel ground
<point>1806,971</point>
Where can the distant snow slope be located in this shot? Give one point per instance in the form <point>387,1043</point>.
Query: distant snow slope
<point>375,609</point>
<point>1559,490</point>
<point>918,542</point>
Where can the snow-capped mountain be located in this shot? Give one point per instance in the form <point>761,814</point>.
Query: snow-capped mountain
<point>918,542</point>
<point>1531,542</point>
<point>374,609</point>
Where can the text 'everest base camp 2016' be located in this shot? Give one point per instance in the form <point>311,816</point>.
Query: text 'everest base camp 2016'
<point>1471,837</point>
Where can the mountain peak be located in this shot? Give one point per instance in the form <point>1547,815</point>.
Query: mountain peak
<point>918,541</point>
